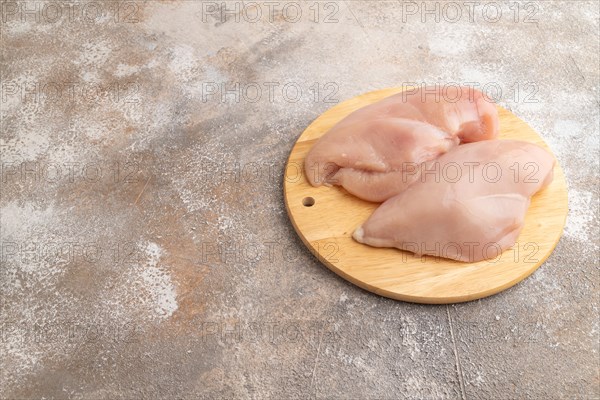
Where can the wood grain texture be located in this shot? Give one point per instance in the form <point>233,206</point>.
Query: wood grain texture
<point>326,228</point>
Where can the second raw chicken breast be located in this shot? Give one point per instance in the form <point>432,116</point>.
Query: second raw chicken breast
<point>468,205</point>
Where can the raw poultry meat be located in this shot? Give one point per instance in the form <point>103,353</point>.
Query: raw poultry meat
<point>373,159</point>
<point>459,110</point>
<point>468,205</point>
<point>369,151</point>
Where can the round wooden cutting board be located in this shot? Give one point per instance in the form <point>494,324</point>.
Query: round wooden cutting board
<point>326,217</point>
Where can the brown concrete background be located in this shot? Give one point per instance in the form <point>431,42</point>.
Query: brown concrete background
<point>146,251</point>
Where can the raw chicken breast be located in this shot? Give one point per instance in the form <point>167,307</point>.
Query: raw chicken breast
<point>372,159</point>
<point>369,151</point>
<point>468,205</point>
<point>459,110</point>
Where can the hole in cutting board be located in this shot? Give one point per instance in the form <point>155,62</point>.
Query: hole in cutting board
<point>308,202</point>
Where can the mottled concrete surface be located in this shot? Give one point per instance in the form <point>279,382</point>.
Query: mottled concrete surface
<point>146,251</point>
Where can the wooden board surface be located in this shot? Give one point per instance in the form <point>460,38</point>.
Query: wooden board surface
<point>326,217</point>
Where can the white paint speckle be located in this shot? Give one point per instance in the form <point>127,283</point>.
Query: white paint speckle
<point>26,147</point>
<point>183,62</point>
<point>225,223</point>
<point>27,253</point>
<point>90,77</point>
<point>447,45</point>
<point>124,70</point>
<point>471,74</point>
<point>567,128</point>
<point>158,283</point>
<point>580,215</point>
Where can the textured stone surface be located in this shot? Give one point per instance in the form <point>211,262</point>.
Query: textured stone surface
<point>146,251</point>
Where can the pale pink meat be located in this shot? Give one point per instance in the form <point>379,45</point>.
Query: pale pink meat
<point>468,205</point>
<point>369,151</point>
<point>372,165</point>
